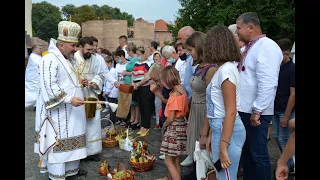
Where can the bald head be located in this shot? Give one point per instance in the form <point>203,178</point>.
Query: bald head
<point>233,28</point>
<point>184,33</point>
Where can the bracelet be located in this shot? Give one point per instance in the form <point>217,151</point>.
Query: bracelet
<point>225,141</point>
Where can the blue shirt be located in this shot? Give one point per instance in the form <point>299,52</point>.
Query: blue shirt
<point>187,76</point>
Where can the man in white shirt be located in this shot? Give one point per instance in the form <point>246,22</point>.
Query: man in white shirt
<point>259,71</point>
<point>183,35</point>
<point>153,49</point>
<point>123,42</point>
<point>32,76</point>
<point>181,62</point>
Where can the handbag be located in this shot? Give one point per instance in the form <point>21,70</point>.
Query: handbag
<point>126,88</point>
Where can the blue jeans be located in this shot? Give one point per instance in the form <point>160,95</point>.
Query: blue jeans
<point>281,135</point>
<point>234,149</point>
<point>256,161</point>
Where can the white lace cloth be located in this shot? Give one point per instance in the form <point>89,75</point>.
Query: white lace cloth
<point>203,161</point>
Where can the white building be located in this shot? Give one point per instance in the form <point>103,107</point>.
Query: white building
<point>28,22</point>
<point>28,26</point>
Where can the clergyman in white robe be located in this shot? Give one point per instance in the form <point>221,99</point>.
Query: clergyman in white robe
<point>61,140</point>
<point>93,70</point>
<point>32,80</point>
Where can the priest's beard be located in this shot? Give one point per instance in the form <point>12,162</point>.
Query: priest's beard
<point>87,55</point>
<point>68,55</point>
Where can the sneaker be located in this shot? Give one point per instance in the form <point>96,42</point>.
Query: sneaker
<point>162,157</point>
<point>157,127</point>
<point>187,162</point>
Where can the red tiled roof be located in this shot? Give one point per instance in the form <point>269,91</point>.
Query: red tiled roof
<point>161,25</point>
<point>140,19</point>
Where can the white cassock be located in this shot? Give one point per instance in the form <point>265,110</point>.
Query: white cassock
<point>58,84</point>
<point>93,70</point>
<point>32,80</point>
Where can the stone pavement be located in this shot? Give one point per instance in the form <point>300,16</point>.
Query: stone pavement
<point>112,155</point>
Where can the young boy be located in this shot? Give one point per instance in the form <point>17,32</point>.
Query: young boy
<point>109,90</point>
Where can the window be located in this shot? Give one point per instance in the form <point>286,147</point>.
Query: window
<point>158,36</point>
<point>164,36</point>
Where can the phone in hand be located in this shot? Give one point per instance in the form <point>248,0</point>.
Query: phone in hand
<point>217,165</point>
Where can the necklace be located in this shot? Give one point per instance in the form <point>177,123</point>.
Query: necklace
<point>79,64</point>
<point>246,51</point>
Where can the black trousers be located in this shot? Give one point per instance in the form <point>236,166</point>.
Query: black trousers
<point>113,116</point>
<point>145,102</point>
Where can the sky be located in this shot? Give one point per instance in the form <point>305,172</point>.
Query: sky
<point>149,10</point>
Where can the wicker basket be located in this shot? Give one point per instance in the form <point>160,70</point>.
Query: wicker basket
<point>142,167</point>
<point>108,129</point>
<point>131,177</point>
<point>109,142</point>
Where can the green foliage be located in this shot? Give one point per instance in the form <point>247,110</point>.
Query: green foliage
<point>67,10</point>
<point>166,42</point>
<point>104,12</point>
<point>45,19</point>
<point>48,28</point>
<point>83,14</point>
<point>276,16</point>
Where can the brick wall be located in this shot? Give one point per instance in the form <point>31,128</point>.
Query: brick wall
<point>143,30</point>
<point>106,31</point>
<point>159,36</point>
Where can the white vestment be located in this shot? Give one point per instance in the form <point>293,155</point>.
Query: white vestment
<point>93,70</point>
<point>31,80</point>
<point>58,84</point>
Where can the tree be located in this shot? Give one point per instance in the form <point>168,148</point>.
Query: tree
<point>166,42</point>
<point>45,19</point>
<point>48,28</point>
<point>68,10</point>
<point>104,12</point>
<point>84,13</point>
<point>276,16</point>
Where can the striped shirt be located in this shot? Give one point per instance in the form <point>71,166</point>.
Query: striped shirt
<point>139,70</point>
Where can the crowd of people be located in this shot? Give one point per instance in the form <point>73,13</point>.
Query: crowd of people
<point>221,88</point>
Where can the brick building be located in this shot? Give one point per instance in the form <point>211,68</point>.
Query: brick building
<point>161,33</point>
<point>106,31</point>
<point>141,33</point>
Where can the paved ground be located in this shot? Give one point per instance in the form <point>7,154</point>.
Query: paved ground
<point>113,156</point>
